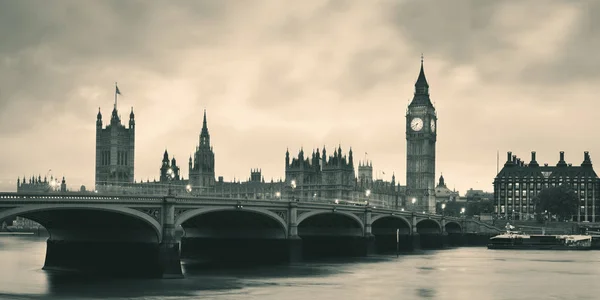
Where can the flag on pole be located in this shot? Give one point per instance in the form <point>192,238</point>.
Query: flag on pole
<point>117,91</point>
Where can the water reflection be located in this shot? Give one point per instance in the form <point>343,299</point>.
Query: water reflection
<point>461,273</point>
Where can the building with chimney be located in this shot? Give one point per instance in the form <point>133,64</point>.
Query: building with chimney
<point>518,183</point>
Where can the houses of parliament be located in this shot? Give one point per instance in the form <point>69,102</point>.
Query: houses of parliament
<point>315,175</point>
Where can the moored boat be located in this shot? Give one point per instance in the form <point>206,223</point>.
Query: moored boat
<point>517,240</point>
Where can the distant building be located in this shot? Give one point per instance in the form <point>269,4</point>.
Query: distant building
<point>39,185</point>
<point>115,150</point>
<point>478,195</point>
<point>334,177</point>
<point>443,194</point>
<point>317,177</point>
<point>518,183</point>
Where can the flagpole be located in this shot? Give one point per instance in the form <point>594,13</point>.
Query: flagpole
<point>497,161</point>
<point>116,94</point>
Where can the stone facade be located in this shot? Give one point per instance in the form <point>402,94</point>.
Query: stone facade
<point>421,136</point>
<point>518,183</point>
<point>115,150</point>
<point>39,185</point>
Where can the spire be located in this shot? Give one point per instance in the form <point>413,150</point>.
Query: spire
<point>99,116</point>
<point>421,86</point>
<point>204,136</point>
<point>421,96</point>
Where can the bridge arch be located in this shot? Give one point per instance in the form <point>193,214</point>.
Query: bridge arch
<point>453,227</point>
<point>352,216</point>
<point>187,215</point>
<point>29,210</point>
<point>379,217</point>
<point>429,226</point>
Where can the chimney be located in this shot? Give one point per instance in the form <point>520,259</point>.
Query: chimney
<point>562,155</point>
<point>586,159</point>
<point>514,159</point>
<point>532,156</point>
<point>508,156</point>
<point>561,162</point>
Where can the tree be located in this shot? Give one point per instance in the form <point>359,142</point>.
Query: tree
<point>452,208</point>
<point>480,207</point>
<point>560,200</point>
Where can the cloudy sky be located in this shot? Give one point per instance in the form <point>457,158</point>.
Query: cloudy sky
<point>504,75</point>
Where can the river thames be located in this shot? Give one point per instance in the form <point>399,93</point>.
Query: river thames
<point>459,273</point>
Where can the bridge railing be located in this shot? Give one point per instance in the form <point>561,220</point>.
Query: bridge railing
<point>75,197</point>
<point>379,207</point>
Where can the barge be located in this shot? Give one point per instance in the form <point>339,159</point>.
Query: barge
<point>517,240</point>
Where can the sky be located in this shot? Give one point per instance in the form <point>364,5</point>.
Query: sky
<point>504,76</point>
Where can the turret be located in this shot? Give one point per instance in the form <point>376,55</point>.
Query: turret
<point>287,157</point>
<point>63,185</point>
<point>131,119</point>
<point>99,119</point>
<point>442,183</point>
<point>350,161</point>
<point>165,158</point>
<point>204,135</point>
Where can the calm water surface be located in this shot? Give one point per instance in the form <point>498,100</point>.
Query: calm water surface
<point>462,273</point>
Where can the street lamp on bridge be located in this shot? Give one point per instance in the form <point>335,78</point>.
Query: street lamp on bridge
<point>293,185</point>
<point>170,177</point>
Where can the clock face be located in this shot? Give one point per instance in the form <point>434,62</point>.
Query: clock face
<point>432,126</point>
<point>416,124</point>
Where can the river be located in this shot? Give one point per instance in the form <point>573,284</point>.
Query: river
<point>459,273</point>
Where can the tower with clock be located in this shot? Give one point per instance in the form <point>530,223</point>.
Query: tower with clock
<point>421,136</point>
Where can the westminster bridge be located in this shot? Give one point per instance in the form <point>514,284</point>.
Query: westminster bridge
<point>149,235</point>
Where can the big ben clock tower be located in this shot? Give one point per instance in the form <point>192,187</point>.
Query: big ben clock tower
<point>421,135</point>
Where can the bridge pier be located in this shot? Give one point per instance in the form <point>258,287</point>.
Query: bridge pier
<point>114,258</point>
<point>294,245</point>
<point>169,252</point>
<point>415,240</point>
<point>370,245</point>
<point>445,240</point>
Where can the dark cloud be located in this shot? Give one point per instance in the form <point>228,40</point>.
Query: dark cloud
<point>273,74</point>
<point>464,31</point>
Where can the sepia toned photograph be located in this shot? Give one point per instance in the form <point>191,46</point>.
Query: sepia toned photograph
<point>316,149</point>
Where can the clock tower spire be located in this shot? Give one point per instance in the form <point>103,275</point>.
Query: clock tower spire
<point>421,136</point>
